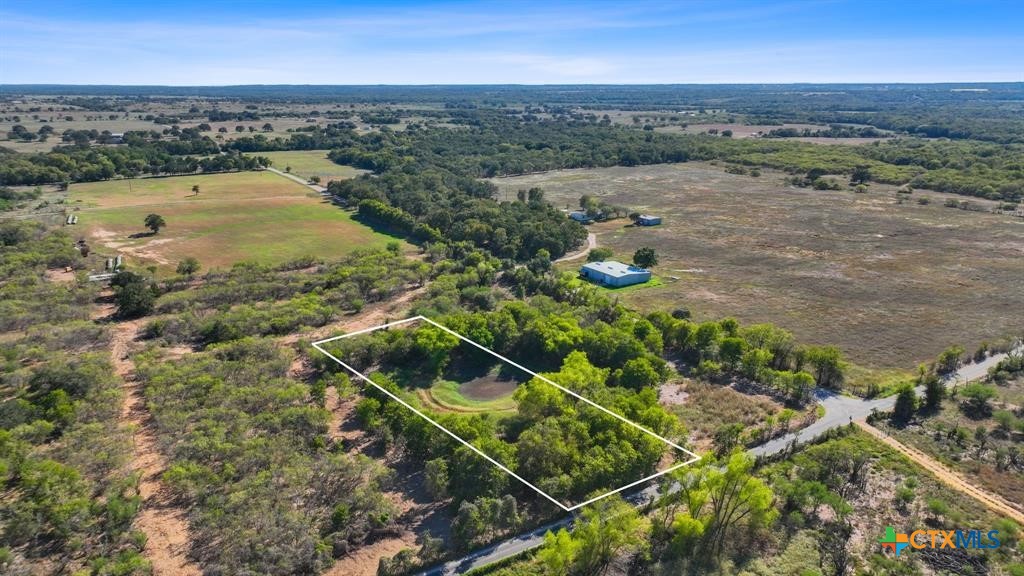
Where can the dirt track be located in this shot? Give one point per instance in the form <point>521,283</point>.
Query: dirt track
<point>992,501</point>
<point>165,525</point>
<point>591,244</point>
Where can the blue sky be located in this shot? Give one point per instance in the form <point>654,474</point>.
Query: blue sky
<point>213,42</point>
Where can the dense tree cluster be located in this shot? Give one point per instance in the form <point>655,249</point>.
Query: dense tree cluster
<point>760,352</point>
<point>85,164</point>
<point>566,446</point>
<point>432,204</point>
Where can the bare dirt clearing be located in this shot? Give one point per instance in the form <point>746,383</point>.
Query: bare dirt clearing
<point>167,534</point>
<point>891,283</point>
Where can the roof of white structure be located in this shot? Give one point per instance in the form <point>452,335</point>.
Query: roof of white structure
<point>613,268</point>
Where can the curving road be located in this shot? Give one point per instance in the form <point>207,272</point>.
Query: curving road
<point>591,244</point>
<point>839,411</point>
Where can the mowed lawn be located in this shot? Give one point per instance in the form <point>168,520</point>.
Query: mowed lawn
<point>892,284</point>
<point>309,163</point>
<point>242,216</point>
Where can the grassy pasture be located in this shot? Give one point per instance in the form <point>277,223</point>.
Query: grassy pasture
<point>309,163</point>
<point>253,216</point>
<point>473,386</point>
<point>891,283</point>
<point>446,396</point>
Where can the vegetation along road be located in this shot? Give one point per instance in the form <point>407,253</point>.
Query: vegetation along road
<point>947,476</point>
<point>839,411</point>
<point>314,187</point>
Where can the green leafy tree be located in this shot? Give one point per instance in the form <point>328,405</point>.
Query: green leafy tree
<point>830,368</point>
<point>727,436</point>
<point>1005,419</point>
<point>645,257</point>
<point>154,222</point>
<point>861,174</point>
<point>638,374</point>
<point>436,472</point>
<point>559,552</point>
<point>906,404</point>
<point>730,350</point>
<point>735,498</point>
<point>606,529</point>
<point>433,346</point>
<point>976,398</point>
<point>133,295</point>
<point>934,391</point>
<point>717,500</point>
<point>599,255</point>
<point>188,266</point>
<point>949,360</point>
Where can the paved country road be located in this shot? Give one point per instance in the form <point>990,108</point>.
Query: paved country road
<point>314,187</point>
<point>839,411</point>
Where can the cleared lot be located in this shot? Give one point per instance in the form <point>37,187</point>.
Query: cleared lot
<point>242,216</point>
<point>891,283</point>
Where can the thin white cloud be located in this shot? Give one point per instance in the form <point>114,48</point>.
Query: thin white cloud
<point>463,44</point>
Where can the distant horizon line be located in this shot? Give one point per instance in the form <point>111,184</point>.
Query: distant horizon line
<point>538,85</point>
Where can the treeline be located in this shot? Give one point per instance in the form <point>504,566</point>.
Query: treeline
<point>833,131</point>
<point>397,220</point>
<point>140,156</point>
<point>762,354</point>
<point>69,495</point>
<point>335,135</point>
<point>541,333</point>
<point>499,144</point>
<point>495,142</point>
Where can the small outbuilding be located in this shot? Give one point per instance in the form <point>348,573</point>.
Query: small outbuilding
<point>612,273</point>
<point>580,216</point>
<point>648,220</point>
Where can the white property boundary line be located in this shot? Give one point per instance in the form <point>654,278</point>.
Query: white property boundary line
<point>361,376</point>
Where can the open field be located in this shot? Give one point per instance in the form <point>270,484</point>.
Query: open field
<point>467,387</point>
<point>448,396</point>
<point>756,130</point>
<point>309,163</point>
<point>703,408</point>
<point>253,216</point>
<point>891,283</point>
